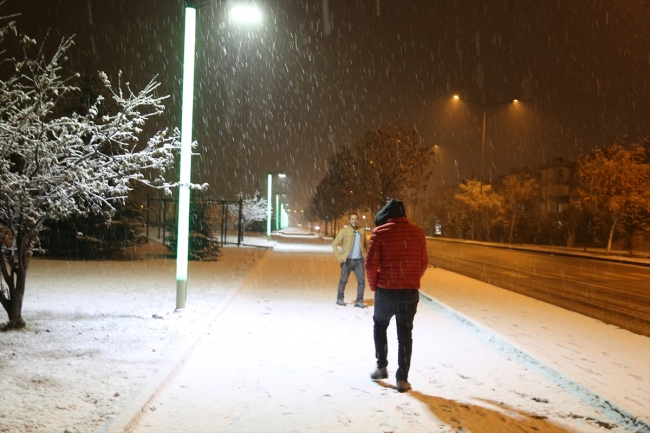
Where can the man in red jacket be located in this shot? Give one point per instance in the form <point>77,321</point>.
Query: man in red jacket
<point>395,262</point>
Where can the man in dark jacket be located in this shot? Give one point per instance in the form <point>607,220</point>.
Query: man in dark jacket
<point>395,263</point>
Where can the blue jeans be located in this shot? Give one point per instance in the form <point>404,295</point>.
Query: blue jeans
<point>348,266</point>
<point>403,304</point>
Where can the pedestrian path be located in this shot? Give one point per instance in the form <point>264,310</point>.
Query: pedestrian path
<point>283,357</point>
<point>287,235</point>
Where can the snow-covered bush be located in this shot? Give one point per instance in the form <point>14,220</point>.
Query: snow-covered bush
<point>253,209</point>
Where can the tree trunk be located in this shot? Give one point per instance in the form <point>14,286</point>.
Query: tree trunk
<point>15,303</point>
<point>15,279</point>
<point>611,236</point>
<point>512,227</point>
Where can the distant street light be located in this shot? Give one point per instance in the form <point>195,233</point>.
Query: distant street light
<point>269,205</point>
<point>485,107</point>
<point>246,16</point>
<point>277,211</point>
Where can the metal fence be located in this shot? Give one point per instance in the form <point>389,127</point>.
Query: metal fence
<point>162,215</point>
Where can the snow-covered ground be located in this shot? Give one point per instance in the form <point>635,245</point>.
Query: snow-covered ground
<point>92,341</point>
<point>263,347</point>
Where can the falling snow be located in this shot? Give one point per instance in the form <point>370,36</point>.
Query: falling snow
<point>315,75</point>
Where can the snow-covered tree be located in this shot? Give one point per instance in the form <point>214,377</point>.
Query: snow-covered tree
<point>616,180</point>
<point>481,204</point>
<point>54,166</point>
<point>253,209</point>
<point>94,235</point>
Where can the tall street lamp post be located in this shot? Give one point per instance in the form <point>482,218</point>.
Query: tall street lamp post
<point>485,107</point>
<point>245,14</point>
<point>269,196</point>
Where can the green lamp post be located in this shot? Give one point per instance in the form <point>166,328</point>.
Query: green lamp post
<point>242,14</point>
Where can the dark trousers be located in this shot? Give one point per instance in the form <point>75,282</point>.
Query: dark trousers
<point>403,304</point>
<point>356,266</point>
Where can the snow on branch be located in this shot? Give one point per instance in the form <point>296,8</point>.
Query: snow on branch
<point>53,166</point>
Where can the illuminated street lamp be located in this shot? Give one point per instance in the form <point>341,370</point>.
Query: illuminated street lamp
<point>277,211</point>
<point>269,206</point>
<point>243,14</point>
<point>485,107</point>
<point>284,216</point>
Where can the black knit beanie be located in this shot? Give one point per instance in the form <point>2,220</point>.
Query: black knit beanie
<point>393,209</point>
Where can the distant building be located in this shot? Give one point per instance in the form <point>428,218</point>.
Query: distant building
<point>556,181</point>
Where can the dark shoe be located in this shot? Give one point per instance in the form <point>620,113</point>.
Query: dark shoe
<point>403,386</point>
<point>340,302</point>
<point>379,373</point>
<point>360,304</point>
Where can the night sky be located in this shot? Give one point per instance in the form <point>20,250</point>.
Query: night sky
<point>282,95</point>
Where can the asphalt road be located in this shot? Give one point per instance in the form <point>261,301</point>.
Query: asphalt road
<point>618,294</point>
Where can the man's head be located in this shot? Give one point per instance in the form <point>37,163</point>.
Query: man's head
<point>353,218</point>
<point>393,209</point>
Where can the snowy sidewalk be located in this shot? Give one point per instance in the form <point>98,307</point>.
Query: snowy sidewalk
<point>283,357</point>
<point>610,361</point>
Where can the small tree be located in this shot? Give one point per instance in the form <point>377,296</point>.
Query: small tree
<point>53,166</point>
<point>481,204</point>
<point>253,209</point>
<point>518,192</point>
<point>202,243</point>
<point>615,180</point>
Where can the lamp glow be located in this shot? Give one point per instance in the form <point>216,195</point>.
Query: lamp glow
<point>245,14</point>
<point>186,158</point>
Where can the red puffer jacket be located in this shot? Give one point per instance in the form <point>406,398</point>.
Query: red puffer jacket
<point>397,255</point>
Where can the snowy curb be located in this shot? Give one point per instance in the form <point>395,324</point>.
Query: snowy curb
<point>128,420</point>
<point>618,415</point>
